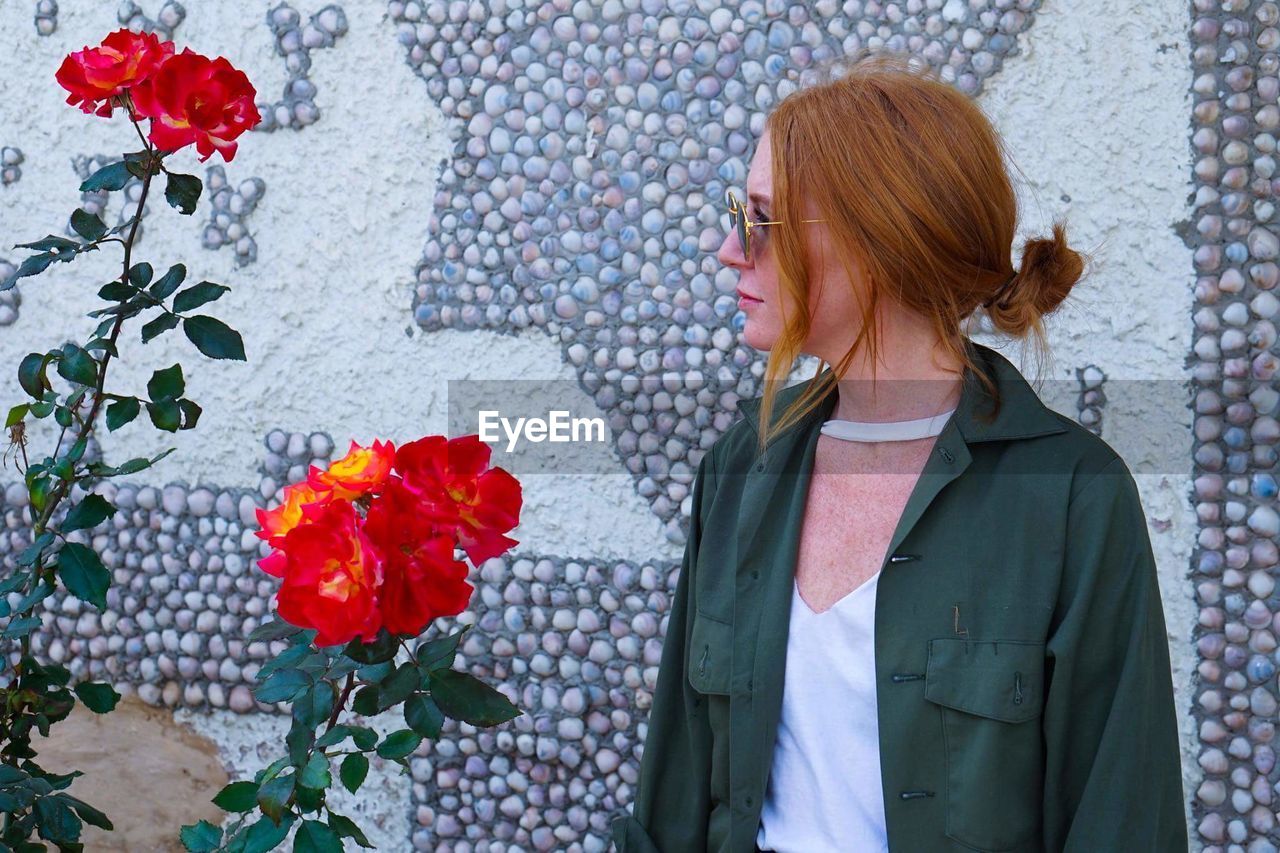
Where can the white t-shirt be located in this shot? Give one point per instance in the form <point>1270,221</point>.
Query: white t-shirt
<point>824,790</point>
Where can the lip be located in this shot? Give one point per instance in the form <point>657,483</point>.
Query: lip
<point>747,298</point>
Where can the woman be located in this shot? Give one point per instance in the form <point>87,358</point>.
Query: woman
<point>956,581</point>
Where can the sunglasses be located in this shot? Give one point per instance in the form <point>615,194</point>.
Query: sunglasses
<point>742,223</point>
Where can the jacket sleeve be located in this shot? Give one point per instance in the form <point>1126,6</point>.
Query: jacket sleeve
<point>1113,770</point>
<point>671,802</point>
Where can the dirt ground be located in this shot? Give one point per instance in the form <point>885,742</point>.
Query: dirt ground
<point>149,774</point>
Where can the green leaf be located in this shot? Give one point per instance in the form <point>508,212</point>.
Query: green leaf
<point>78,365</point>
<point>88,225</point>
<point>382,648</point>
<point>112,177</point>
<point>166,415</point>
<point>276,629</point>
<point>399,685</point>
<point>353,770</point>
<point>314,837</point>
<point>463,697</point>
<point>140,163</point>
<point>31,374</point>
<point>364,738</point>
<point>42,591</point>
<point>102,344</point>
<point>282,686</point>
<point>140,274</point>
<point>266,835</point>
<point>90,512</point>
<point>440,652</point>
<point>213,337</point>
<point>197,295</point>
<point>238,797</point>
<point>346,828</point>
<point>166,384</point>
<point>190,413</point>
<point>285,659</point>
<point>202,837</point>
<point>314,706</point>
<point>99,698</point>
<point>121,412</point>
<point>87,813</point>
<point>18,628</point>
<point>316,774</point>
<point>269,772</point>
<point>423,715</point>
<point>116,291</point>
<point>82,571</point>
<point>182,192</point>
<point>32,552</point>
<point>335,735</point>
<point>365,702</point>
<point>399,744</point>
<point>273,795</point>
<point>53,241</point>
<point>33,265</point>
<point>159,325</point>
<point>57,823</point>
<point>299,741</point>
<point>16,414</point>
<point>169,282</point>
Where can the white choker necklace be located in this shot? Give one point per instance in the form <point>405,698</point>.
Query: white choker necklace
<point>887,430</point>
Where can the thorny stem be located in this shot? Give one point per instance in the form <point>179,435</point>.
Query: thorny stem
<point>342,701</point>
<point>63,486</point>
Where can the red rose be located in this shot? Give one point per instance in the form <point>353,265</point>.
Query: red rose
<point>421,578</point>
<point>332,576</point>
<point>192,98</point>
<point>96,76</point>
<point>454,482</point>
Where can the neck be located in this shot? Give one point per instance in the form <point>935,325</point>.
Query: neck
<point>907,386</point>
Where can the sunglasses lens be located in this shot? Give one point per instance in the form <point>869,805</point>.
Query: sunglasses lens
<point>738,219</point>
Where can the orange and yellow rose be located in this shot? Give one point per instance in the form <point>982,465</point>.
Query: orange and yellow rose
<point>348,574</point>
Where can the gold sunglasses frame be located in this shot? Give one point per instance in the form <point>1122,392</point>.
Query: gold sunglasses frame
<point>744,229</point>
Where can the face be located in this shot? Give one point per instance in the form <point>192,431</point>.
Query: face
<point>831,302</point>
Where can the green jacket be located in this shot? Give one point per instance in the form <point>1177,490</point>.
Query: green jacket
<point>1025,701</point>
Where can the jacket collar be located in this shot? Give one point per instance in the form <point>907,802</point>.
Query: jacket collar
<point>1021,415</point>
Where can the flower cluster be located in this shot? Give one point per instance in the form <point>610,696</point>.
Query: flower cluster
<point>188,97</point>
<point>369,542</point>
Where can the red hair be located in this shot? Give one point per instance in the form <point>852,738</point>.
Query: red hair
<point>909,172</point>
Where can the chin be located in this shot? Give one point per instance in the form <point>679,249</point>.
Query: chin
<point>756,338</point>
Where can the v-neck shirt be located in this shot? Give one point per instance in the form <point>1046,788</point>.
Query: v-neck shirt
<point>824,789</point>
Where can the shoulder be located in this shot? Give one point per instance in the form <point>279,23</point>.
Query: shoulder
<point>1093,464</point>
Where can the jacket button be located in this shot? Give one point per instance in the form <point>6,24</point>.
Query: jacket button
<point>750,684</point>
<point>755,575</point>
<point>760,466</point>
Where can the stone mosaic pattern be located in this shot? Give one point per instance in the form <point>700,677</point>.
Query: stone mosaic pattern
<point>297,107</point>
<point>46,18</point>
<point>1092,397</point>
<point>582,199</point>
<point>10,165</point>
<point>1236,81</point>
<point>230,210</point>
<point>171,14</point>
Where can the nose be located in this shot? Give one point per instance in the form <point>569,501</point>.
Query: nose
<point>730,252</point>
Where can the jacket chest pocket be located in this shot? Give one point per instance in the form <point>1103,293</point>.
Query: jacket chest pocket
<point>710,659</point>
<point>990,696</point>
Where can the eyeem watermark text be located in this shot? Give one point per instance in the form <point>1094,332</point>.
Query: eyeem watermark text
<point>558,426</point>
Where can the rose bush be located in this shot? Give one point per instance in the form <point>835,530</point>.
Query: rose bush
<point>191,102</point>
